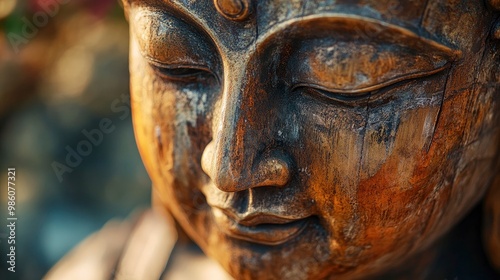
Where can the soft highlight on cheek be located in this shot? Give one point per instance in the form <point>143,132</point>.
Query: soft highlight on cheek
<point>192,124</point>
<point>333,176</point>
<point>395,208</point>
<point>150,110</point>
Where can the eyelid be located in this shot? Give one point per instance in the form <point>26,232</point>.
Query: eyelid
<point>344,99</point>
<point>375,87</point>
<point>160,64</point>
<point>203,70</point>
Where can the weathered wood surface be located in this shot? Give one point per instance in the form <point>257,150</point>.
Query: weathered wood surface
<point>301,140</point>
<point>318,139</point>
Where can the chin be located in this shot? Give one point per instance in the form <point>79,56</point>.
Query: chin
<point>308,255</point>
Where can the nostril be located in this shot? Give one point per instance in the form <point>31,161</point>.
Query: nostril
<point>272,171</point>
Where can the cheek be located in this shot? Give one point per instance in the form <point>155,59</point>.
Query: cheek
<point>393,186</point>
<point>399,186</point>
<point>362,164</point>
<point>153,126</point>
<point>427,178</point>
<point>154,117</point>
<point>333,139</point>
<point>172,127</point>
<point>192,132</point>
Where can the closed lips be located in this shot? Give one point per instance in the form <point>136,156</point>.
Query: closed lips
<point>259,228</point>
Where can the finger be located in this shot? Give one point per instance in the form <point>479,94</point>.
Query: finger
<point>96,257</point>
<point>148,249</point>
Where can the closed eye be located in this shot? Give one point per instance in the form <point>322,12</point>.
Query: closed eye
<point>362,96</point>
<point>375,87</point>
<point>339,63</point>
<point>346,99</point>
<point>182,73</point>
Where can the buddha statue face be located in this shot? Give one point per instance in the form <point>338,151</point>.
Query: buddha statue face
<point>300,140</point>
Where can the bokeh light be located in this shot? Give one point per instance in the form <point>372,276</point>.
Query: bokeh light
<point>57,82</point>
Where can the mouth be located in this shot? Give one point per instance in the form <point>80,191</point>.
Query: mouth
<point>262,228</point>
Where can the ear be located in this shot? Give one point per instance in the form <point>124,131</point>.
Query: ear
<point>125,5</point>
<point>491,222</point>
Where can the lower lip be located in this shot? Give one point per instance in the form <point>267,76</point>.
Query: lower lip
<point>266,234</point>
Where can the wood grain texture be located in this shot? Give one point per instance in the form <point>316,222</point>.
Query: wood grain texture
<point>326,139</point>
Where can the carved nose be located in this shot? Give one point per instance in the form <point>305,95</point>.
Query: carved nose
<point>229,175</point>
<point>240,156</point>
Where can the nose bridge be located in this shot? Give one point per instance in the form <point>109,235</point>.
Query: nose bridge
<point>241,154</point>
<point>235,138</point>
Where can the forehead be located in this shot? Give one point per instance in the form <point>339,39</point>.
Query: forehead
<point>451,22</point>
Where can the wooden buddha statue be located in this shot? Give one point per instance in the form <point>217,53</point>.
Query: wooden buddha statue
<point>318,139</point>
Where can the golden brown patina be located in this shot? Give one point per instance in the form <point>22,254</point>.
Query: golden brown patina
<point>313,139</point>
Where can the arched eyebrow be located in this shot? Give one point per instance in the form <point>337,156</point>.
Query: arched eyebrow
<point>370,28</point>
<point>178,11</point>
<point>355,27</point>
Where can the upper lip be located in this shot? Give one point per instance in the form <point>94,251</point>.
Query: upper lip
<point>259,227</point>
<point>257,218</point>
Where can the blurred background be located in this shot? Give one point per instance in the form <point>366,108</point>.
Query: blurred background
<point>64,71</point>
